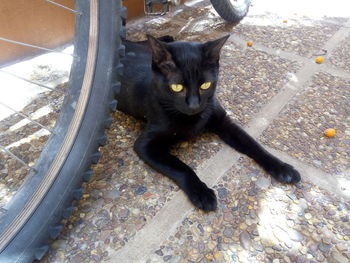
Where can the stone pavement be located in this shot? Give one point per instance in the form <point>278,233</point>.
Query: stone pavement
<point>130,213</point>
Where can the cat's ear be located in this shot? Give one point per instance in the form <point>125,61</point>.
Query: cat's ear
<point>160,55</point>
<point>212,49</point>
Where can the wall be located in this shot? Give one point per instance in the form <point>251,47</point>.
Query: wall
<point>41,23</point>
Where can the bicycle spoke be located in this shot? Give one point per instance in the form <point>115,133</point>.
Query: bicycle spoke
<point>33,46</point>
<point>64,7</point>
<point>30,81</point>
<point>2,148</point>
<point>26,116</point>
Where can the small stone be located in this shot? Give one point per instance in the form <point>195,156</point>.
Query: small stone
<point>218,256</point>
<point>208,229</point>
<point>269,250</point>
<point>222,193</point>
<point>235,208</point>
<point>228,217</point>
<point>209,257</point>
<point>316,237</point>
<point>276,260</point>
<point>263,182</point>
<point>346,232</point>
<point>200,227</point>
<point>320,258</point>
<point>266,242</point>
<point>331,212</point>
<point>234,257</point>
<point>140,190</point>
<point>277,248</point>
<point>324,247</point>
<point>326,240</point>
<point>135,211</point>
<point>308,216</point>
<point>147,195</point>
<point>112,194</point>
<point>243,226</point>
<point>245,240</point>
<point>345,219</point>
<point>167,258</point>
<point>124,213</point>
<point>159,252</point>
<point>295,235</point>
<point>317,163</point>
<point>201,247</point>
<point>257,246</point>
<point>228,232</point>
<point>211,245</point>
<point>227,240</point>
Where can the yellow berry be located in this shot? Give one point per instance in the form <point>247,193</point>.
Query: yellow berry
<point>250,43</point>
<point>319,60</point>
<point>285,21</point>
<point>330,132</point>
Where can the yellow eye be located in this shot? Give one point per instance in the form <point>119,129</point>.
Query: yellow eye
<point>176,87</point>
<point>205,85</point>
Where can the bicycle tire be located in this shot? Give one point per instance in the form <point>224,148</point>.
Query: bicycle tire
<point>231,13</point>
<point>34,214</point>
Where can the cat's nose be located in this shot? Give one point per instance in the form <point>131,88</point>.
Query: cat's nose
<point>193,102</point>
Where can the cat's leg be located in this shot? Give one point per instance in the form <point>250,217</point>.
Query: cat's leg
<point>237,138</point>
<point>153,149</point>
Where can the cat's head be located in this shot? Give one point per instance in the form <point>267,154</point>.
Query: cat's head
<point>185,73</point>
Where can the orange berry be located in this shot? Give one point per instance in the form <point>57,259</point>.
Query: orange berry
<point>330,132</point>
<point>319,60</point>
<point>250,43</point>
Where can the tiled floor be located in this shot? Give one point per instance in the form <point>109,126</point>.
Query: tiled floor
<point>130,213</point>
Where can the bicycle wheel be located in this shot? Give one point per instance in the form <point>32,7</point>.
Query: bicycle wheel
<point>33,215</point>
<point>232,11</point>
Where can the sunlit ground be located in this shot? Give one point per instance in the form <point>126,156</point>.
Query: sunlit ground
<point>49,69</point>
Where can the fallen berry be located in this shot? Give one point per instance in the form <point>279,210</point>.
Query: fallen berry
<point>319,60</point>
<point>330,132</point>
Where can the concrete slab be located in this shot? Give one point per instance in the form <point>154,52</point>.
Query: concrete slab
<point>299,129</point>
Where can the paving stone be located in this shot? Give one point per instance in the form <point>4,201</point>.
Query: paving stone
<point>294,36</point>
<point>245,240</point>
<point>256,215</point>
<point>299,128</point>
<point>255,77</point>
<point>340,56</point>
<point>290,236</point>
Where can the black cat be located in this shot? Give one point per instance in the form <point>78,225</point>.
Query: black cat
<point>172,86</point>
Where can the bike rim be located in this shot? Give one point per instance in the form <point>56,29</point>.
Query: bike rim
<point>27,210</point>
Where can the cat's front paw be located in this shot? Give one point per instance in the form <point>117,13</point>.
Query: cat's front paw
<point>202,196</point>
<point>284,173</point>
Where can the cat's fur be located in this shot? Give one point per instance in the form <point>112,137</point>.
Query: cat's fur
<point>150,67</point>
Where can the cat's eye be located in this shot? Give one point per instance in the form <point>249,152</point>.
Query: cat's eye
<point>176,87</point>
<point>205,85</point>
